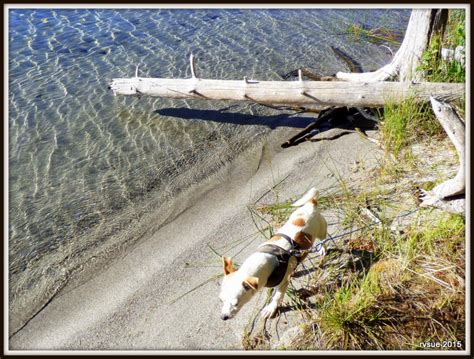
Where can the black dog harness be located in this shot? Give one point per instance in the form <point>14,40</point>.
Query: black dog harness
<point>283,257</point>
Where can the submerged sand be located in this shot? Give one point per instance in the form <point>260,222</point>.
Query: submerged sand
<point>139,302</point>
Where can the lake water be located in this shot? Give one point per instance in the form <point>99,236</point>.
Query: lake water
<point>85,166</point>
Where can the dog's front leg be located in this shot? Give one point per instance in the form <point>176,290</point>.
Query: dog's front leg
<point>280,291</point>
<point>271,308</point>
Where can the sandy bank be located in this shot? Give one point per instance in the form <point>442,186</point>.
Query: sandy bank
<point>132,304</point>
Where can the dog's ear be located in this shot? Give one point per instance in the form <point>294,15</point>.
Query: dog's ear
<point>228,266</point>
<point>250,283</point>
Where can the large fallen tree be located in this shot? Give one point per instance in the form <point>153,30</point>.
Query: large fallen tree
<point>299,93</point>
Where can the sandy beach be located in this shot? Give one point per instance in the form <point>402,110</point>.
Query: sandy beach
<point>139,302</point>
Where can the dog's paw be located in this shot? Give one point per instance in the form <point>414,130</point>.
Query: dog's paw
<point>320,249</point>
<point>270,310</point>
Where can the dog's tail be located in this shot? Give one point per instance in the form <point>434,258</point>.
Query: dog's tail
<point>311,195</point>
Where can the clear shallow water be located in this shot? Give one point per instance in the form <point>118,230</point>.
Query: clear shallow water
<point>84,166</point>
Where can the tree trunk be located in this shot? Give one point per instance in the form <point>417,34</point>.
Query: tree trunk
<point>423,24</point>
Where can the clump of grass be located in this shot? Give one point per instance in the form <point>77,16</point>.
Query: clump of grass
<point>410,295</point>
<point>402,125</point>
<point>434,255</point>
<point>347,318</point>
<point>456,29</point>
<point>376,35</point>
<point>406,123</point>
<point>351,319</point>
<point>446,232</point>
<point>434,68</point>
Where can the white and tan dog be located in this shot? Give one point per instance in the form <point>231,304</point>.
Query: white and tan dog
<point>274,261</point>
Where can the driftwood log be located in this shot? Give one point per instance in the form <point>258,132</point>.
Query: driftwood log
<point>321,94</point>
<point>449,195</point>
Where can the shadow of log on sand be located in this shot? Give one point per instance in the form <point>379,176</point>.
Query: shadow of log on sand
<point>272,121</point>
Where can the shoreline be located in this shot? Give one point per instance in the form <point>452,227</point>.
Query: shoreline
<point>86,255</point>
<point>128,305</point>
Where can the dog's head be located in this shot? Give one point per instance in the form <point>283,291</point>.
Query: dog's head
<point>235,290</point>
